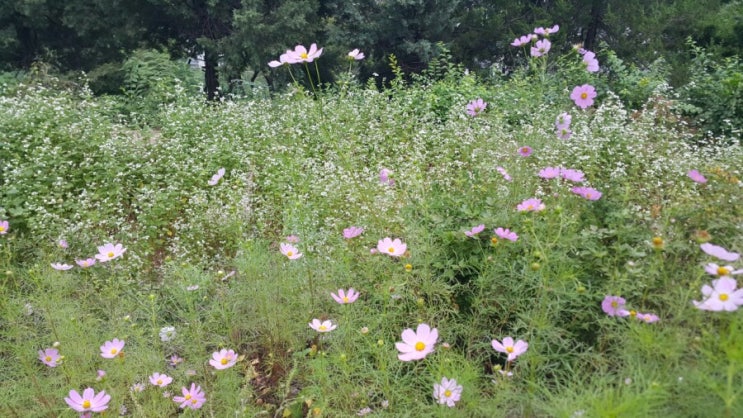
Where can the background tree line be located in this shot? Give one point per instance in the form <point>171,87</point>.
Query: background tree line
<point>238,37</point>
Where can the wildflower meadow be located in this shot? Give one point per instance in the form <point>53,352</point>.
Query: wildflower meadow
<point>447,245</point>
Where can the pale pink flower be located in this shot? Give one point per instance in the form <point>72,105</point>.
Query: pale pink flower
<point>392,248</point>
<point>573,175</point>
<point>50,357</point>
<point>161,380</point>
<point>417,344</point>
<point>292,239</point>
<point>284,59</point>
<point>192,287</point>
<point>476,107</point>
<point>322,326</point>
<point>723,295</point>
<point>223,359</point>
<point>448,392</point>
<point>504,173</point>
<point>563,120</point>
<point>549,172</point>
<point>525,151</point>
<point>355,55</point>
<point>364,411</point>
<point>590,61</point>
<point>192,398</point>
<point>85,263</point>
<point>475,230</point>
<point>4,227</point>
<point>696,176</point>
<point>352,232</point>
<point>542,47</point>
<point>509,347</point>
<point>531,205</point>
<point>564,133</point>
<point>715,270</point>
<point>61,266</point>
<point>648,318</point>
<point>63,244</point>
<point>100,374</point>
<point>583,95</point>
<point>175,360</point>
<point>719,252</point>
<point>344,297</point>
<point>215,178</point>
<point>522,40</point>
<point>384,177</point>
<point>89,401</point>
<point>109,251</point>
<point>506,233</point>
<point>613,305</point>
<point>111,349</point>
<point>546,31</point>
<point>587,193</point>
<point>290,251</point>
<point>301,54</point>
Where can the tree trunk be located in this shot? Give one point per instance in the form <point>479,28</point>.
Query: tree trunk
<point>211,77</point>
<point>597,16</point>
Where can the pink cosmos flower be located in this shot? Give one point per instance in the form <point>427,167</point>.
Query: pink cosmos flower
<point>322,326</point>
<point>352,232</point>
<point>504,173</point>
<point>549,172</point>
<point>61,266</point>
<point>476,107</point>
<point>546,31</point>
<point>506,233</point>
<point>719,252</point>
<point>175,360</point>
<point>696,176</point>
<point>573,175</point>
<point>648,318</point>
<point>384,177</point>
<point>715,270</point>
<point>284,59</point>
<point>564,133</point>
<point>563,120</point>
<point>109,251</point>
<point>292,239</point>
<point>215,178</point>
<point>355,55</point>
<point>475,230</point>
<point>613,305</point>
<point>85,263</point>
<point>89,401</point>
<point>587,193</point>
<point>525,151</point>
<point>417,344</point>
<point>448,392</point>
<point>392,248</point>
<point>344,297</point>
<point>583,95</point>
<point>722,296</point>
<point>290,251</point>
<point>192,398</point>
<point>542,47</point>
<point>111,349</point>
<point>63,244</point>
<point>223,359</point>
<point>100,374</point>
<point>50,357</point>
<point>509,347</point>
<point>301,54</point>
<point>531,205</point>
<point>161,380</point>
<point>4,227</point>
<point>522,40</point>
<point>590,61</point>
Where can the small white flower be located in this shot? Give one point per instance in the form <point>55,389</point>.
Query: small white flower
<point>167,333</point>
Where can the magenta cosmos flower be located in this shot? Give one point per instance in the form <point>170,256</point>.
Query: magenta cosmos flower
<point>522,40</point>
<point>344,297</point>
<point>322,326</point>
<point>448,392</point>
<point>525,151</point>
<point>509,347</point>
<point>161,380</point>
<point>506,233</point>
<point>549,172</point>
<point>723,295</point>
<point>50,357</point>
<point>4,227</point>
<point>89,401</point>
<point>290,251</point>
<point>613,306</point>
<point>590,61</point>
<point>475,230</point>
<point>355,55</point>
<point>215,178</point>
<point>301,54</point>
<point>719,252</point>
<point>223,359</point>
<point>352,232</point>
<point>192,398</point>
<point>111,349</point>
<point>417,344</point>
<point>85,263</point>
<point>587,193</point>
<point>542,47</point>
<point>573,175</point>
<point>696,176</point>
<point>394,248</point>
<point>531,205</point>
<point>384,177</point>
<point>109,251</point>
<point>476,107</point>
<point>583,95</point>
<point>61,266</point>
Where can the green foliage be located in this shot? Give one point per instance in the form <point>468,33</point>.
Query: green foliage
<point>633,85</point>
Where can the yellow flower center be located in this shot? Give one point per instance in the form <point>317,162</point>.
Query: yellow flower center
<point>723,297</point>
<point>85,264</point>
<point>588,195</point>
<point>494,240</point>
<point>86,404</point>
<point>420,346</point>
<point>304,55</point>
<point>408,267</point>
<point>657,241</point>
<point>289,253</point>
<point>322,328</point>
<point>584,95</point>
<point>614,304</point>
<point>509,349</point>
<point>114,351</point>
<point>187,397</point>
<point>722,271</point>
<point>194,401</point>
<point>48,358</point>
<point>345,299</point>
<point>447,393</point>
<point>159,381</point>
<point>391,250</point>
<point>633,313</point>
<point>223,361</point>
<point>2,228</point>
<point>110,254</point>
<point>530,207</point>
